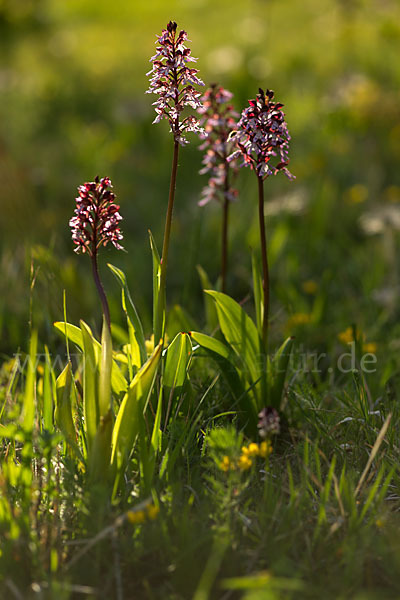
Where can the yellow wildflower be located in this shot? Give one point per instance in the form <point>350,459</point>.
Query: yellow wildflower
<point>347,336</point>
<point>152,511</point>
<point>298,319</point>
<point>370,347</point>
<point>392,193</point>
<point>225,464</point>
<point>245,450</point>
<point>244,462</point>
<point>310,286</point>
<point>356,194</point>
<point>253,449</point>
<point>136,516</point>
<point>265,449</point>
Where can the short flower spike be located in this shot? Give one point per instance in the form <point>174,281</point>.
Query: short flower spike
<point>173,82</point>
<point>96,221</point>
<point>262,137</point>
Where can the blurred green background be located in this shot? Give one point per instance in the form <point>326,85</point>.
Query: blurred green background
<point>72,105</point>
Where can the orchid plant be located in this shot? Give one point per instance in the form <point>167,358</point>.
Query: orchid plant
<point>261,139</point>
<point>219,120</point>
<point>172,81</point>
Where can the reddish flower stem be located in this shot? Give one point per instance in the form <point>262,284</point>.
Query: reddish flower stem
<point>264,258</point>
<point>100,289</point>
<point>224,242</point>
<point>167,234</point>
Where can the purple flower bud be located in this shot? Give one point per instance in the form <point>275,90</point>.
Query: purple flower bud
<point>262,137</point>
<point>96,220</point>
<point>172,81</point>
<point>269,422</point>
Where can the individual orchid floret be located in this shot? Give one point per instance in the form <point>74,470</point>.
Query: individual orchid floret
<point>173,82</point>
<point>262,137</point>
<point>219,120</point>
<point>96,220</point>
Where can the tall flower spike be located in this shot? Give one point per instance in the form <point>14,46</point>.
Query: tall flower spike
<point>172,81</point>
<point>219,120</point>
<point>262,137</point>
<point>96,221</point>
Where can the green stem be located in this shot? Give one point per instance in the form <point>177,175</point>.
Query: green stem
<point>167,234</point>
<point>264,258</point>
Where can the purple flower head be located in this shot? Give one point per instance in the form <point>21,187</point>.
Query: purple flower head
<point>219,120</point>
<point>96,220</point>
<point>262,137</point>
<point>173,82</point>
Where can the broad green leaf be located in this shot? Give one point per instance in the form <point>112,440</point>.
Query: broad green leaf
<point>227,361</point>
<point>179,353</point>
<point>158,295</point>
<point>136,335</point>
<point>209,304</point>
<point>99,459</point>
<point>47,394</point>
<point>212,344</point>
<point>105,371</point>
<point>90,385</point>
<point>277,373</point>
<point>240,333</point>
<point>258,291</point>
<point>74,334</point>
<point>178,320</point>
<point>28,411</point>
<point>126,426</point>
<point>63,411</point>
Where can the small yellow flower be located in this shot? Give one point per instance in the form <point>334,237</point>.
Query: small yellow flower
<point>392,193</point>
<point>244,462</point>
<point>347,336</point>
<point>265,449</point>
<point>136,517</point>
<point>225,464</point>
<point>245,450</point>
<point>298,319</point>
<point>253,449</point>
<point>310,286</point>
<point>370,347</point>
<point>356,194</point>
<point>152,511</point>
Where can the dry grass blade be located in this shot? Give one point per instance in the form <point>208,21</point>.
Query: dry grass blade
<point>374,452</point>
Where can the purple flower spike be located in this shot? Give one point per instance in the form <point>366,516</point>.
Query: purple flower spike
<point>262,136</point>
<point>172,81</point>
<point>96,220</point>
<point>219,120</point>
